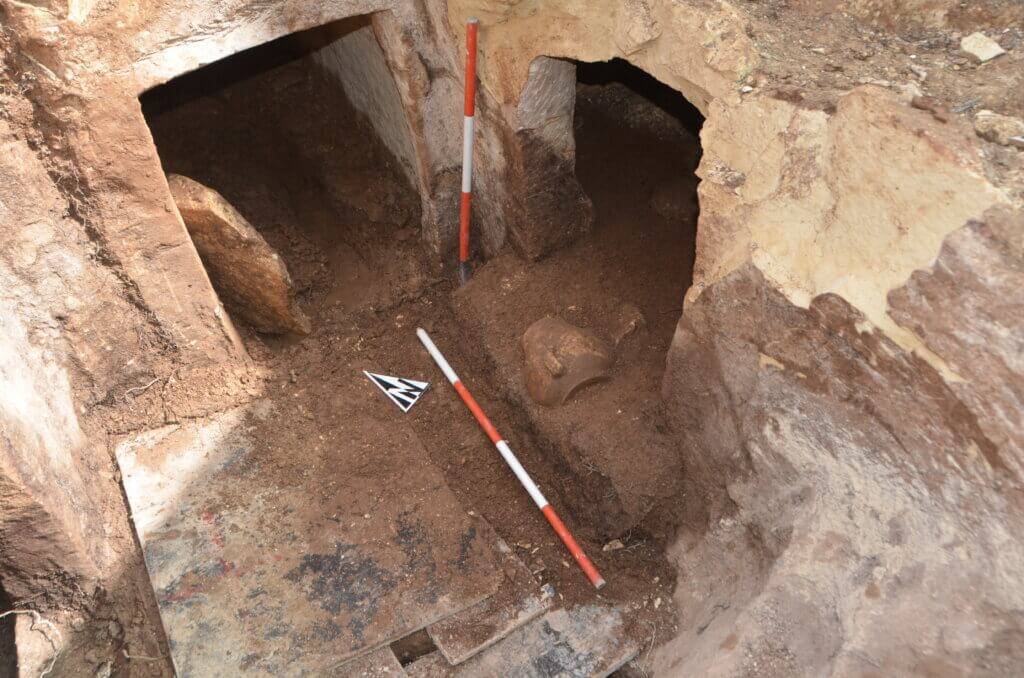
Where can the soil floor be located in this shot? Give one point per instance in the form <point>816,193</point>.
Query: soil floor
<point>288,151</point>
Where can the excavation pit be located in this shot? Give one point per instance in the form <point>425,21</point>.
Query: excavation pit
<point>317,182</point>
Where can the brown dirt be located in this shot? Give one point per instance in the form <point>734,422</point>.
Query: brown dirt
<point>311,178</point>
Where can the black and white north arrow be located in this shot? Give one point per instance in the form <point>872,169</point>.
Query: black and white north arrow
<point>403,392</point>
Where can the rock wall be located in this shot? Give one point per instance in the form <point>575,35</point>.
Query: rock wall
<point>358,63</point>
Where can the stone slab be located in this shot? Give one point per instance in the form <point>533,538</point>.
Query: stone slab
<point>586,642</point>
<point>265,571</point>
<point>518,601</point>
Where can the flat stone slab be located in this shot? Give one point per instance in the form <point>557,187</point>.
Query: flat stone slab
<point>519,600</point>
<point>269,561</point>
<point>586,642</point>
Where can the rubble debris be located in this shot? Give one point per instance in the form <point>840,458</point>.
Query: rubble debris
<point>1001,129</point>
<point>613,545</point>
<point>248,274</point>
<point>981,47</point>
<point>561,358</point>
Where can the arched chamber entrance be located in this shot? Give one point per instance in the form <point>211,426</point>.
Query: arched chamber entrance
<point>305,139</point>
<point>635,143</point>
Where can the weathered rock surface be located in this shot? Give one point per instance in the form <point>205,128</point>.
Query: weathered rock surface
<point>854,518</point>
<point>246,271</point>
<point>1002,129</point>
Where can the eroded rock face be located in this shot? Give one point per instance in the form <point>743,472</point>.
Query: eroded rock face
<point>246,271</point>
<point>876,500</point>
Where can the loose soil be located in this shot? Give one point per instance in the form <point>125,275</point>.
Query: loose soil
<point>289,152</point>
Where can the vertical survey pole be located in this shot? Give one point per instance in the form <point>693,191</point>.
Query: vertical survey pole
<point>467,149</point>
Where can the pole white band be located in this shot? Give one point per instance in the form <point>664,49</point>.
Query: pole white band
<point>521,474</point>
<point>467,154</point>
<point>436,355</point>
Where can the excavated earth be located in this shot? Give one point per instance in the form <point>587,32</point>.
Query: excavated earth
<point>342,218</point>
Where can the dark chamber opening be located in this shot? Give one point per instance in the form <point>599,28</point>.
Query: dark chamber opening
<point>637,147</point>
<point>272,130</point>
<point>250,63</point>
<point>643,84</point>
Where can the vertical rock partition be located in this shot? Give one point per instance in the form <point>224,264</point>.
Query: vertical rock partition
<point>356,60</point>
<point>547,207</point>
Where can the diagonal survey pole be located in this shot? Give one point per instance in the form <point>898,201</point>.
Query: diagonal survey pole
<point>510,458</point>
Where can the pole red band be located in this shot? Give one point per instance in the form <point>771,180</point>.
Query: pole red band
<point>478,413</point>
<point>467,146</point>
<point>581,558</point>
<point>471,31</point>
<point>464,228</point>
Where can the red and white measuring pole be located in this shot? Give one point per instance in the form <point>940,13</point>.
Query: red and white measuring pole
<point>467,148</point>
<point>510,458</point>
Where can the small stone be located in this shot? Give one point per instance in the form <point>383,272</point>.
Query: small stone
<point>613,545</point>
<point>921,73</point>
<point>746,89</point>
<point>938,111</point>
<point>862,53</point>
<point>726,176</point>
<point>628,320</point>
<point>1000,129</point>
<point>657,603</point>
<point>910,90</point>
<point>981,47</point>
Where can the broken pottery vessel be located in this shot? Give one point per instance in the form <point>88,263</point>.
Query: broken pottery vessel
<point>246,271</point>
<point>561,358</point>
